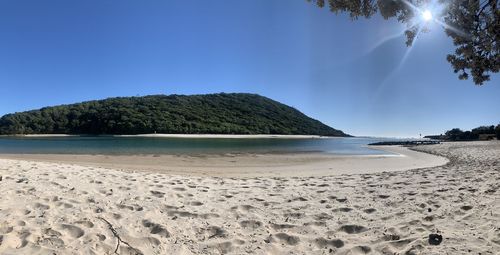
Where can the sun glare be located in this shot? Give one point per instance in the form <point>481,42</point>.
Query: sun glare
<point>427,15</point>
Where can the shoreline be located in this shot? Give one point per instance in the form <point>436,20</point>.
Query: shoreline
<point>224,136</point>
<point>249,164</point>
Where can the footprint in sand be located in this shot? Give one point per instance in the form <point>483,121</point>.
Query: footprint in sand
<point>185,214</point>
<point>65,205</point>
<point>301,199</point>
<point>253,224</point>
<point>281,226</point>
<point>41,206</point>
<point>247,208</point>
<point>294,215</point>
<point>223,248</point>
<point>156,229</point>
<point>5,229</point>
<point>361,250</point>
<point>73,231</point>
<point>369,210</point>
<point>85,223</point>
<point>158,194</point>
<point>209,215</point>
<point>323,216</point>
<point>353,229</point>
<point>288,239</point>
<point>343,209</point>
<point>328,243</point>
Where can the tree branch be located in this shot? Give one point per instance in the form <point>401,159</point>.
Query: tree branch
<point>119,240</point>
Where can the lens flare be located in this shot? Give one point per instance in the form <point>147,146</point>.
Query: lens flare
<point>427,15</point>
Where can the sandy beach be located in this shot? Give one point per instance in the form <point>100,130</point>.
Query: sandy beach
<point>254,204</point>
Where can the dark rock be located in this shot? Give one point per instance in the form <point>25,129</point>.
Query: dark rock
<point>435,239</point>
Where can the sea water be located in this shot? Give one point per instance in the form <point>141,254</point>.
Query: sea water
<point>112,145</point>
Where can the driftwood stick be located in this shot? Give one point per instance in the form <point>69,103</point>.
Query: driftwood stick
<point>119,240</point>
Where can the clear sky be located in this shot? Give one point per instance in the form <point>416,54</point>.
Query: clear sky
<point>57,51</point>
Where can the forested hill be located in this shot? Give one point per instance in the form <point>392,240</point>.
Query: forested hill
<point>174,114</point>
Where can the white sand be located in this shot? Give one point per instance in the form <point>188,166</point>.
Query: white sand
<point>65,208</point>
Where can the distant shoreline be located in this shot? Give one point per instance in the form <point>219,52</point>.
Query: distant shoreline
<point>189,136</point>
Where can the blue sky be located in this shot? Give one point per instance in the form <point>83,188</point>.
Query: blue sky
<point>57,52</point>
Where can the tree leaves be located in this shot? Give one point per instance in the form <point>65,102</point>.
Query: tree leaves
<point>473,25</point>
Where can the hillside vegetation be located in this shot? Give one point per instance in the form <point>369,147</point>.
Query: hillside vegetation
<point>235,113</point>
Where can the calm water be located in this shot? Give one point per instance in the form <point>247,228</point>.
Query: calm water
<point>141,145</point>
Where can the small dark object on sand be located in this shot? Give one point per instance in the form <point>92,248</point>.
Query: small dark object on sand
<point>429,210</point>
<point>435,239</point>
<point>22,180</point>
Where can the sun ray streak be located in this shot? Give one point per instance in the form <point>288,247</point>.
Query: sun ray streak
<point>456,30</point>
<point>408,51</point>
<point>384,40</point>
<point>400,65</point>
<point>412,6</point>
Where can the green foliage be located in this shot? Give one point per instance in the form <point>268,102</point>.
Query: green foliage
<point>474,27</point>
<point>454,134</point>
<point>459,135</point>
<point>483,130</point>
<point>174,114</point>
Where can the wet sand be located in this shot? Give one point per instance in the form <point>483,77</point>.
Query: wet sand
<point>250,165</point>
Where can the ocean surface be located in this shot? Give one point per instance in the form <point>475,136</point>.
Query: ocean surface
<point>109,145</point>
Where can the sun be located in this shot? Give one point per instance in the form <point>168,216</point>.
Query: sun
<point>427,15</point>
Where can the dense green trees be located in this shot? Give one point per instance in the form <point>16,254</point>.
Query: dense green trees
<point>197,114</point>
<point>454,134</point>
<point>457,134</point>
<point>483,130</point>
<point>473,25</point>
